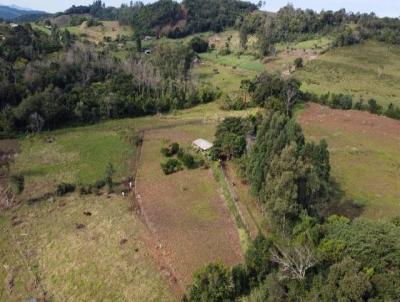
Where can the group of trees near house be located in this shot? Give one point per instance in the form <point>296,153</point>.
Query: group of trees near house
<point>308,256</point>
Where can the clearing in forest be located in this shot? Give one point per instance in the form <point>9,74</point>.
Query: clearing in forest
<point>365,156</point>
<point>185,211</point>
<point>368,70</point>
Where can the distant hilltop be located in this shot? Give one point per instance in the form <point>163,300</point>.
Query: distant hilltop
<point>16,13</point>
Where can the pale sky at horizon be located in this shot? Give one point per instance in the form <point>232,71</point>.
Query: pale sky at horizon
<point>380,7</point>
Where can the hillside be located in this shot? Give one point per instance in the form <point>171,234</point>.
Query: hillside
<point>368,70</point>
<point>200,150</point>
<point>15,13</point>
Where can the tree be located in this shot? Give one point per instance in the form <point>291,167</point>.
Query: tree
<point>276,132</point>
<point>212,283</point>
<point>346,282</point>
<point>258,259</point>
<point>291,92</point>
<point>198,45</point>
<point>294,260</point>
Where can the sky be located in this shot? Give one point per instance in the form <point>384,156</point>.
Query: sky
<point>380,7</point>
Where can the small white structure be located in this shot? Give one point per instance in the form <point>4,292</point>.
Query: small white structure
<point>202,144</point>
<point>14,25</point>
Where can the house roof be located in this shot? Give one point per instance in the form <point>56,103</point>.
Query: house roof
<point>203,144</point>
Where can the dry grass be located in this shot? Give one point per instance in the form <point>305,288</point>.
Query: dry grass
<point>185,211</point>
<point>72,264</point>
<point>97,33</point>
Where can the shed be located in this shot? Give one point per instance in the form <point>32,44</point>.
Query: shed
<point>202,144</point>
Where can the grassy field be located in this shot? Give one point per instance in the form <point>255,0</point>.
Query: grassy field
<point>365,156</point>
<point>76,155</point>
<point>47,228</point>
<point>54,247</point>
<point>368,70</point>
<point>97,33</point>
<point>185,211</point>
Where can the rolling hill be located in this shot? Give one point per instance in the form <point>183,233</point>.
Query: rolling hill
<point>11,13</point>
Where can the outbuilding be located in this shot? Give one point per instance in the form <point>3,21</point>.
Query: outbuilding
<point>202,145</point>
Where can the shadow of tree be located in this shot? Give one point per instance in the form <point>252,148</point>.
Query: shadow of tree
<point>342,205</point>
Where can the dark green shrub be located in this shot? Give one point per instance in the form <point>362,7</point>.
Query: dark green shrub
<point>360,105</point>
<point>189,161</point>
<point>342,101</point>
<point>65,188</point>
<point>171,166</point>
<point>99,184</point>
<point>198,45</point>
<point>374,107</point>
<point>298,63</point>
<point>172,150</point>
<point>93,22</point>
<point>233,103</point>
<point>393,112</point>
<point>212,283</point>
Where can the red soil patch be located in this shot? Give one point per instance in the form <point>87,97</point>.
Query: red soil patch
<point>184,211</point>
<point>351,120</point>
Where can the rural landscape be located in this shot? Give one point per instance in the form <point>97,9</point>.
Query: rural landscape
<point>199,150</point>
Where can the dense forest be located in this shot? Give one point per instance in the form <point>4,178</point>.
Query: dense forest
<point>82,85</point>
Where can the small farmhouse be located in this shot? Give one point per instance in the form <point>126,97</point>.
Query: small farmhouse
<point>202,145</point>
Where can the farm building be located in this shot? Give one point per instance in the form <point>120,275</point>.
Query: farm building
<point>202,145</point>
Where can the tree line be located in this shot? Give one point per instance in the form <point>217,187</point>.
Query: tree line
<point>309,255</point>
<point>290,24</point>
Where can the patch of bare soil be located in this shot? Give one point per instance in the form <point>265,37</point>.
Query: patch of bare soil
<point>190,223</point>
<point>352,120</point>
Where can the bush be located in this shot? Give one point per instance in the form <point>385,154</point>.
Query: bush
<point>341,101</point>
<point>207,93</point>
<point>198,45</point>
<point>65,188</point>
<point>360,105</point>
<point>99,184</point>
<point>171,166</point>
<point>298,63</point>
<point>172,150</point>
<point>189,161</point>
<point>93,22</point>
<point>85,190</point>
<point>212,283</point>
<point>18,183</point>
<point>374,107</point>
<point>233,103</point>
<point>393,112</point>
